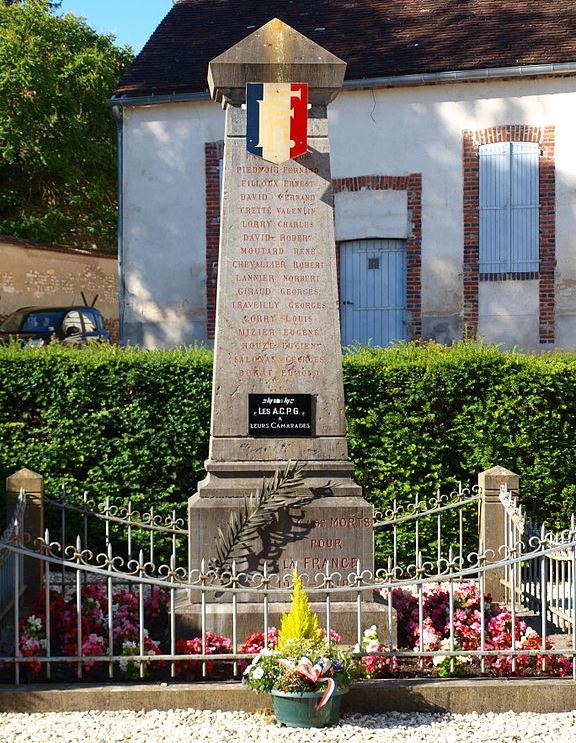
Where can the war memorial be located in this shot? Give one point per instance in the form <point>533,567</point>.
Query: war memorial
<point>277,388</point>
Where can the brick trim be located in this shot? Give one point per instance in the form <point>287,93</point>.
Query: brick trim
<point>471,141</point>
<point>214,151</point>
<point>412,184</point>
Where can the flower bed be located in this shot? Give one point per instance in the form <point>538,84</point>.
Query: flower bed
<point>467,628</point>
<point>436,628</point>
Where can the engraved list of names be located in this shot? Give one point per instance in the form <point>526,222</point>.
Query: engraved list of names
<point>277,316</point>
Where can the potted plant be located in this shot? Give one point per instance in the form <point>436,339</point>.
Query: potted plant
<point>305,675</point>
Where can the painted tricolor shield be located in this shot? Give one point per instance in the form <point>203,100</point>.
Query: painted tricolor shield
<point>277,117</point>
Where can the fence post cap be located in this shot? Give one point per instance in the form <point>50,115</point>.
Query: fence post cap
<point>498,471</point>
<point>24,478</point>
<point>491,480</point>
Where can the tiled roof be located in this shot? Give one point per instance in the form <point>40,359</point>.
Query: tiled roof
<point>376,37</point>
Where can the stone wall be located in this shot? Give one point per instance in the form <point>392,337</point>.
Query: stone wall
<point>35,274</point>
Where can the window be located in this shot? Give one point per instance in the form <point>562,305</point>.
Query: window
<point>509,206</point>
<point>89,322</point>
<point>72,324</point>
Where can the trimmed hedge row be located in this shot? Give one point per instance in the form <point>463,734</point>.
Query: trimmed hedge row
<point>423,416</point>
<point>114,422</point>
<point>127,422</point>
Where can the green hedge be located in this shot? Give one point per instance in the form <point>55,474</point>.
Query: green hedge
<point>118,423</point>
<point>420,416</point>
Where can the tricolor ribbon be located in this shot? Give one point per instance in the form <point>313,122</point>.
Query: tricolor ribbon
<point>314,673</point>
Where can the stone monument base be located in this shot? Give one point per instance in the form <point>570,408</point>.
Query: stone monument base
<point>250,618</point>
<point>237,479</point>
<point>327,534</point>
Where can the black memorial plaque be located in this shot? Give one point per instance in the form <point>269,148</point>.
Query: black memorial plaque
<point>280,415</point>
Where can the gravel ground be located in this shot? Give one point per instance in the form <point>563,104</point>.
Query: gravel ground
<point>224,727</point>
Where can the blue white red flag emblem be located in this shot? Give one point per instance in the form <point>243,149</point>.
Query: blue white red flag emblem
<point>277,118</point>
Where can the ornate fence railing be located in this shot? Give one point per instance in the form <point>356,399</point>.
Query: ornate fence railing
<point>10,562</point>
<point>118,616</point>
<point>102,523</point>
<point>546,586</point>
<point>429,529</point>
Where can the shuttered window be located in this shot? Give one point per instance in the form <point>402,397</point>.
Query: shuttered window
<point>509,208</point>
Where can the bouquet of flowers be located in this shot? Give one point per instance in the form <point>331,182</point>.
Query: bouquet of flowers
<point>302,660</point>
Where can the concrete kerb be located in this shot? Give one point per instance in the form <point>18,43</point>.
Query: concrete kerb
<point>382,695</point>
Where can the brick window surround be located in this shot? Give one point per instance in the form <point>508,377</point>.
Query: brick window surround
<point>472,140</point>
<point>412,184</point>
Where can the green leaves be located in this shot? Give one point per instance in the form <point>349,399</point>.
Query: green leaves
<point>57,135</point>
<point>135,424</point>
<point>127,424</point>
<point>423,416</point>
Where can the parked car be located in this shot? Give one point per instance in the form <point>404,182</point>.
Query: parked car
<point>37,326</point>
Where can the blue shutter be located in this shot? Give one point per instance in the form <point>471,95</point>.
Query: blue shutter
<point>508,207</point>
<point>524,193</point>
<point>494,195</point>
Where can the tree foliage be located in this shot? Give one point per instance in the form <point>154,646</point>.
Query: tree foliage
<point>57,135</point>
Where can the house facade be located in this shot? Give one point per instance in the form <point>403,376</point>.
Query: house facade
<point>453,166</point>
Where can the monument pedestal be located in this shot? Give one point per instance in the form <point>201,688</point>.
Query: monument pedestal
<point>239,479</point>
<point>330,534</point>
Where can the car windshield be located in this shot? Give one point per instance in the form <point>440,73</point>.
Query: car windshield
<point>32,322</point>
<point>13,322</point>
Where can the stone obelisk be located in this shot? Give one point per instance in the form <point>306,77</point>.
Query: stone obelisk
<point>278,392</point>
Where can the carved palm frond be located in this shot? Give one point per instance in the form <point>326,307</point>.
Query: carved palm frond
<point>257,511</point>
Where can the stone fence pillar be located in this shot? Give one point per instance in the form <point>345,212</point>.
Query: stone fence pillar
<point>492,524</point>
<point>33,485</point>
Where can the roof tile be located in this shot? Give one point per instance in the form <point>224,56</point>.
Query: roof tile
<point>375,38</point>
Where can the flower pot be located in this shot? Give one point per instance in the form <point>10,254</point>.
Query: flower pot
<point>298,709</point>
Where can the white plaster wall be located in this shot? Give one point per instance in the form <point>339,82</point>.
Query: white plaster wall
<point>365,214</point>
<point>509,313</point>
<point>397,131</point>
<point>164,221</point>
<point>392,131</point>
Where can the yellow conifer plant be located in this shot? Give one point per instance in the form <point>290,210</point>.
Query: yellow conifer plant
<point>300,623</point>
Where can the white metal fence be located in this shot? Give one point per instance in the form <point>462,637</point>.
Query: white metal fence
<point>114,612</point>
<point>544,586</point>
<point>11,562</point>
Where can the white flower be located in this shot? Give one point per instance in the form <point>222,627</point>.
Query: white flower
<point>258,673</point>
<point>438,659</point>
<point>373,646</point>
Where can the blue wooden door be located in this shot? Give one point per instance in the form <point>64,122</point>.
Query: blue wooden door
<point>373,291</point>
